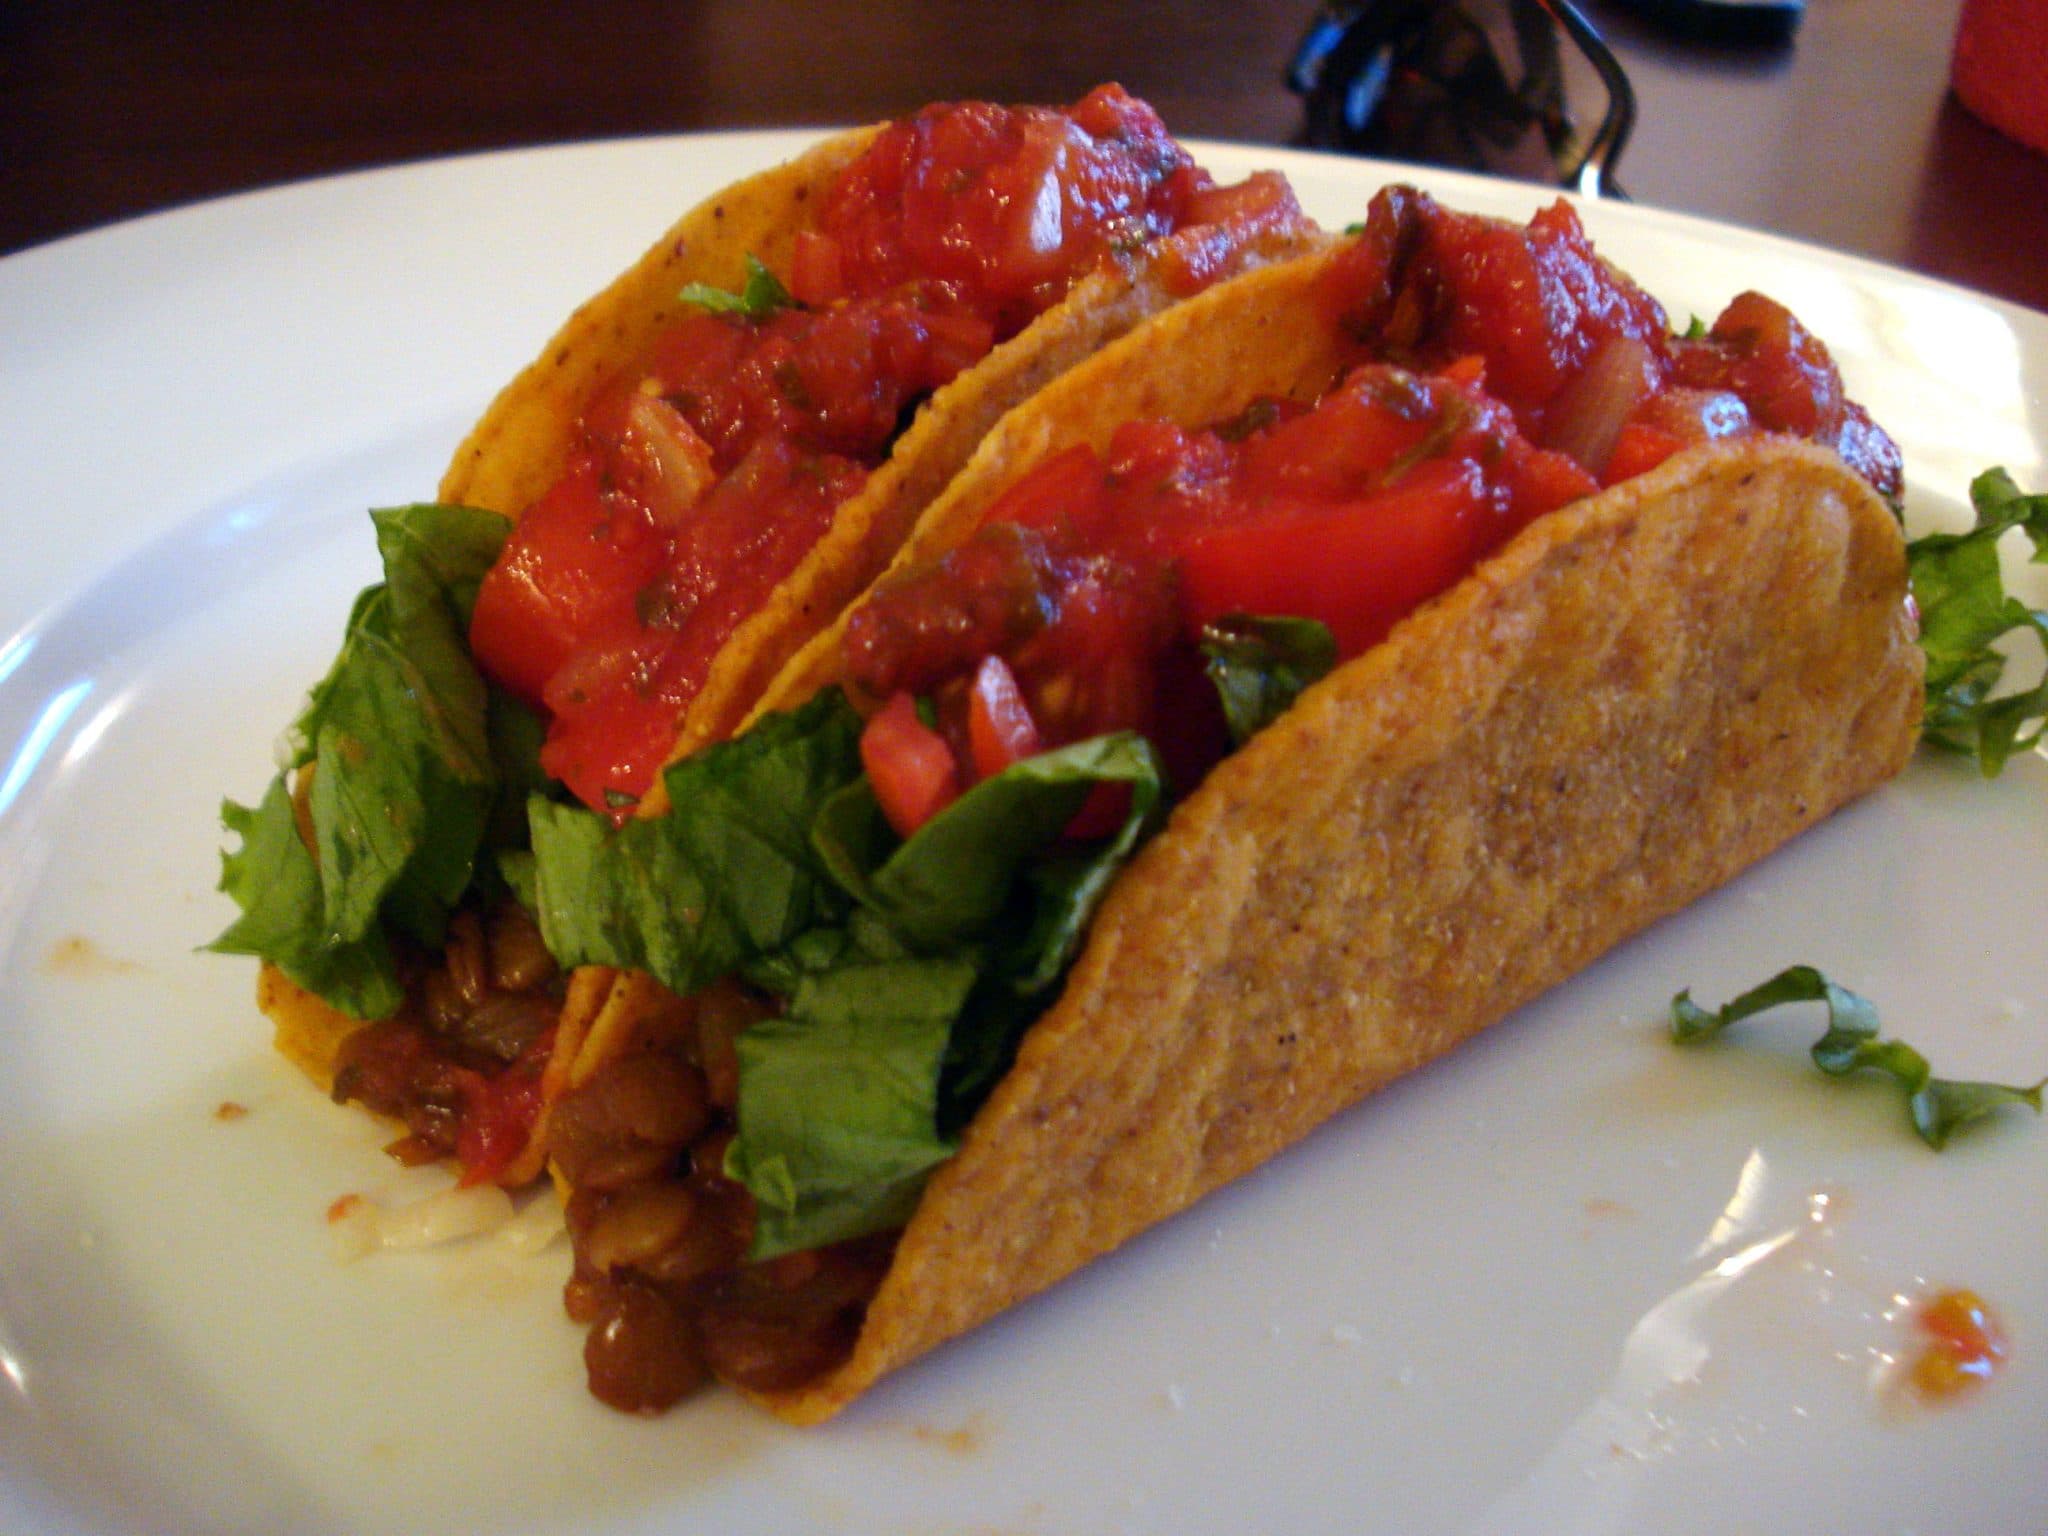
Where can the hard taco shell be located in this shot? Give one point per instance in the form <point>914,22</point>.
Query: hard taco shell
<point>1638,697</point>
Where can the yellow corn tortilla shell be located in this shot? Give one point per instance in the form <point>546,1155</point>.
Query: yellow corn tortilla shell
<point>1636,699</point>
<point>524,440</point>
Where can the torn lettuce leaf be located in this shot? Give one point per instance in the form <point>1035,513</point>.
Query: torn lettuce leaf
<point>1964,612</point>
<point>1260,666</point>
<point>1938,1107</point>
<point>907,968</point>
<point>272,878</point>
<point>726,876</point>
<point>405,762</point>
<point>837,1106</point>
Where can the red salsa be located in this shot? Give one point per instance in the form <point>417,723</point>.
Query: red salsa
<point>460,1063</point>
<point>1963,1344</point>
<point>705,472</point>
<point>1584,358</point>
<point>1504,372</point>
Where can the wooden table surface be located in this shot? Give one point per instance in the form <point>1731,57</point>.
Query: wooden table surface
<point>111,108</point>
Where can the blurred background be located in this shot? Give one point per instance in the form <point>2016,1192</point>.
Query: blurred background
<point>1845,134</point>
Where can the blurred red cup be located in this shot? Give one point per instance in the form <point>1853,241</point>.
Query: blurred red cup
<point>2001,66</point>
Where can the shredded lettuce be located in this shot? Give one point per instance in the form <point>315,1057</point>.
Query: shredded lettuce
<point>759,297</point>
<point>1937,1107</point>
<point>407,748</point>
<point>838,1099</point>
<point>1964,612</point>
<point>725,877</point>
<point>907,969</point>
<point>275,882</point>
<point>1261,665</point>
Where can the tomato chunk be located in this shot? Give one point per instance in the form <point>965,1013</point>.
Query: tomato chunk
<point>568,572</point>
<point>1357,568</point>
<point>909,766</point>
<point>1000,730</point>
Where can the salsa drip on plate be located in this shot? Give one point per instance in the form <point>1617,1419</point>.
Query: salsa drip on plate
<point>1500,373</point>
<point>702,475</point>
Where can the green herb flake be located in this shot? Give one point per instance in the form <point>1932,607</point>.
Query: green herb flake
<point>1964,612</point>
<point>761,296</point>
<point>1261,665</point>
<point>1937,1107</point>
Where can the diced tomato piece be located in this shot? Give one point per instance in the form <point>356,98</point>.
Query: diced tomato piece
<point>1090,671</point>
<point>1357,568</point>
<point>1345,446</point>
<point>1260,200</point>
<point>815,277</point>
<point>1868,449</point>
<point>1696,415</point>
<point>1639,449</point>
<point>1000,730</point>
<point>954,342</point>
<point>605,745</point>
<point>1218,222</point>
<point>1467,372</point>
<point>569,570</point>
<point>498,1114</point>
<point>1781,370</point>
<point>909,766</point>
<point>926,625</point>
<point>1541,481</point>
<point>1102,814</point>
<point>1063,490</point>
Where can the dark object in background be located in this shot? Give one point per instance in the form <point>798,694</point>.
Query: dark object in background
<point>1757,22</point>
<point>1481,86</point>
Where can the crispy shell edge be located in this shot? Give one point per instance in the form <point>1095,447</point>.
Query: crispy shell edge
<point>1636,699</point>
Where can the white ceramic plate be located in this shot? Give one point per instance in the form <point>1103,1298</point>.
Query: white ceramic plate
<point>1571,1279</point>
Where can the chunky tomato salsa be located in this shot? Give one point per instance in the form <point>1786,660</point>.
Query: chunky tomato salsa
<point>706,471</point>
<point>1529,374</point>
<point>1500,373</point>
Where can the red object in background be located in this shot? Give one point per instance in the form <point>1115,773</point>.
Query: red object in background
<point>2000,68</point>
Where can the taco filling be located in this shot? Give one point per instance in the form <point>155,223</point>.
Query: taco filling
<point>707,468</point>
<point>857,908</point>
<point>705,472</point>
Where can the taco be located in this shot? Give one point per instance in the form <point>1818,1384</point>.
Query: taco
<point>1289,692</point>
<point>707,461</point>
